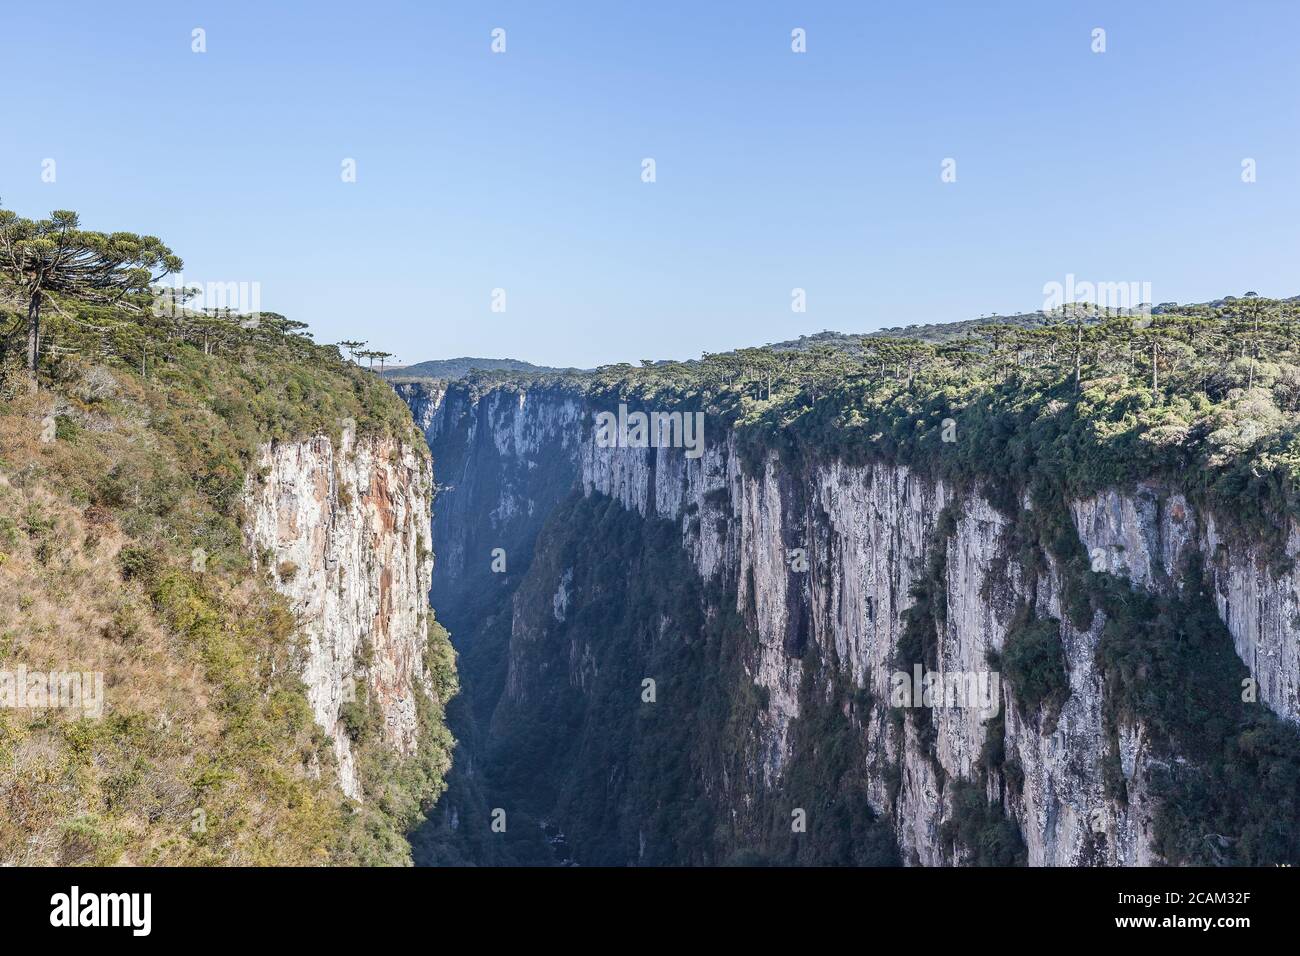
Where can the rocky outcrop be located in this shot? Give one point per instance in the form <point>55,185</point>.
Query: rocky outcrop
<point>423,399</point>
<point>344,532</point>
<point>826,557</point>
<point>1148,532</point>
<point>865,533</point>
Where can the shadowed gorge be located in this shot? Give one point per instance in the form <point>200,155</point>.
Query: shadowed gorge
<point>672,659</point>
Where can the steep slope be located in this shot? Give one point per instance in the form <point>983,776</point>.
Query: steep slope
<point>237,545</point>
<point>345,533</point>
<point>503,462</point>
<point>779,589</point>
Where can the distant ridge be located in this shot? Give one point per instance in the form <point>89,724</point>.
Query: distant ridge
<point>939,332</point>
<point>935,333</point>
<point>460,367</point>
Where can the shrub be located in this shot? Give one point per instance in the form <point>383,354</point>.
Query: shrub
<point>358,718</point>
<point>982,829</point>
<point>1033,663</point>
<point>139,563</point>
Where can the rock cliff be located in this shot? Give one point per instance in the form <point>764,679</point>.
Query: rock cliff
<point>343,527</point>
<point>827,564</point>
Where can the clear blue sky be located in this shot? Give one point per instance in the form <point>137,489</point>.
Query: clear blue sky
<point>775,170</point>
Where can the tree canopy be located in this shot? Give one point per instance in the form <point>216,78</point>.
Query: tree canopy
<point>41,258</point>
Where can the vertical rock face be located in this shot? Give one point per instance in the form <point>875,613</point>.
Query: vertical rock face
<point>423,399</point>
<point>1146,535</point>
<point>502,462</point>
<point>344,531</point>
<point>867,534</point>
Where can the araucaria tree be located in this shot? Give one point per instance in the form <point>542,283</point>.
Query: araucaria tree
<point>56,255</point>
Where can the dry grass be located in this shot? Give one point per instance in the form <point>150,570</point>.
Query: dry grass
<point>205,752</point>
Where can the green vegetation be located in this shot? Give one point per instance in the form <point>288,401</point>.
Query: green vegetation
<point>1033,663</point>
<point>923,621</point>
<point>399,792</point>
<point>55,255</point>
<point>977,829</point>
<point>980,826</point>
<point>121,551</point>
<point>1205,398</point>
<point>827,777</point>
<point>1234,796</point>
<point>676,780</point>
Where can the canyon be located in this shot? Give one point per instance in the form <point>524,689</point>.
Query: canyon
<point>792,711</point>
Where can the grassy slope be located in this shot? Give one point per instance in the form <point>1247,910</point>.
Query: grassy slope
<point>207,752</point>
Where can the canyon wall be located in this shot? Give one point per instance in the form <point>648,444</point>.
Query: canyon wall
<point>343,528</point>
<point>822,561</point>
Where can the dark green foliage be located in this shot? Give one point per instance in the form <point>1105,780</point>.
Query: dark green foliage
<point>978,829</point>
<point>357,716</point>
<point>1014,776</point>
<point>993,754</point>
<point>142,564</point>
<point>1113,771</point>
<point>826,777</point>
<point>981,829</point>
<point>1175,399</point>
<point>918,643</point>
<point>399,792</point>
<point>1169,664</point>
<point>1033,663</point>
<point>66,429</point>
<point>673,781</point>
